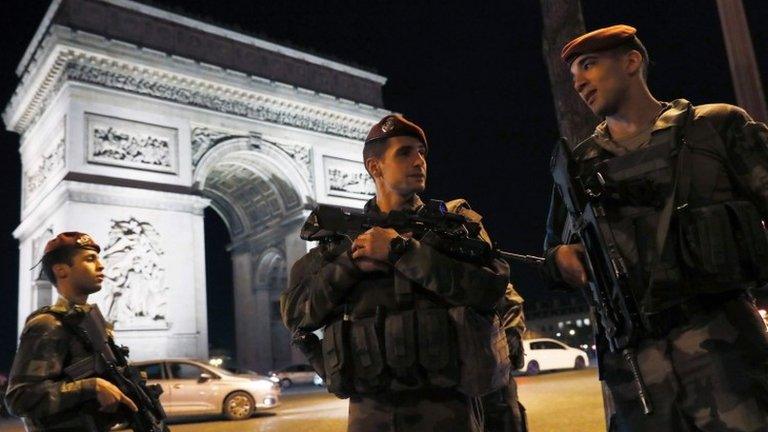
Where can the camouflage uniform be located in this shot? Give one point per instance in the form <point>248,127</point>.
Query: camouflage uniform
<point>502,410</point>
<point>704,351</point>
<point>325,286</point>
<point>38,390</point>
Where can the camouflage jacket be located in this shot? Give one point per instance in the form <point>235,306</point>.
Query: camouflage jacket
<point>733,167</point>
<point>326,279</point>
<point>38,390</point>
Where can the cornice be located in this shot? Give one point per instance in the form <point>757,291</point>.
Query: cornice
<point>67,56</point>
<point>73,191</point>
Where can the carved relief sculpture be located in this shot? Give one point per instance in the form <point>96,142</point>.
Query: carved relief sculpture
<point>346,178</point>
<point>134,285</point>
<point>131,144</point>
<point>37,175</point>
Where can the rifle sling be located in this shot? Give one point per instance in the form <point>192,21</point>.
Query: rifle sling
<point>681,184</point>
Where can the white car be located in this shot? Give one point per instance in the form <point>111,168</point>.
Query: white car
<point>297,374</point>
<point>192,387</point>
<point>549,354</point>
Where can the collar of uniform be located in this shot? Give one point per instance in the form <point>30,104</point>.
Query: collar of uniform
<point>673,113</point>
<point>64,305</point>
<point>372,207</point>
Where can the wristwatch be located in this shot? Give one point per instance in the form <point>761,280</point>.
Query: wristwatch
<point>398,246</point>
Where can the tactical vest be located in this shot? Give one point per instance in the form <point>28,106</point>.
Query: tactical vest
<point>678,237</point>
<point>420,343</point>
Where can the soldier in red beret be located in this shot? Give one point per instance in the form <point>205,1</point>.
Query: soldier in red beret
<point>685,189</point>
<point>39,390</point>
<point>383,301</point>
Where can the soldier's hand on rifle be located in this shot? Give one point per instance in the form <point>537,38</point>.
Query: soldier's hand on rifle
<point>110,397</point>
<point>368,265</point>
<point>570,262</point>
<point>370,250</point>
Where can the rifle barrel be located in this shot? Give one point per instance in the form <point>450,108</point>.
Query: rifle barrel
<point>525,259</point>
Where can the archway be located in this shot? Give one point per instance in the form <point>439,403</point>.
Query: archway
<point>260,195</point>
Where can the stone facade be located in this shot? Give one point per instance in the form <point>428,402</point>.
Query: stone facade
<point>129,139</point>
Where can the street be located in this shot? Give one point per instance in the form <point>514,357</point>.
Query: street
<point>555,402</point>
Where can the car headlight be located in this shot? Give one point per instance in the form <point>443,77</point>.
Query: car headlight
<point>274,378</point>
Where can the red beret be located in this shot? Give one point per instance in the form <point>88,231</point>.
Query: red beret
<point>72,238</point>
<point>395,125</point>
<point>598,40</point>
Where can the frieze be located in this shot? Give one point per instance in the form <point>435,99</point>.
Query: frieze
<point>262,109</point>
<point>131,144</point>
<point>135,291</point>
<point>50,163</point>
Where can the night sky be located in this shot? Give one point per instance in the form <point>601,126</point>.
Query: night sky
<point>471,75</point>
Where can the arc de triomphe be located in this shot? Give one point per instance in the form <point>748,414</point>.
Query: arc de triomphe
<point>133,120</point>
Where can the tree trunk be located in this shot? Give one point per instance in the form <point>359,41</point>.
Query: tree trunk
<point>562,22</point>
<point>741,58</point>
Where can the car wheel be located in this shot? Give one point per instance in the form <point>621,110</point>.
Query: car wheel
<point>238,406</point>
<point>533,368</point>
<point>579,363</point>
<point>285,383</point>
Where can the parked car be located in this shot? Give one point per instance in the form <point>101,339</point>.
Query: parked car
<point>192,387</point>
<point>297,374</point>
<point>548,354</point>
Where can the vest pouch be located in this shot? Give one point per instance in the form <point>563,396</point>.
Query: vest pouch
<point>708,246</point>
<point>483,351</point>
<point>366,356</point>
<point>437,349</point>
<point>400,342</point>
<point>751,238</point>
<point>335,359</point>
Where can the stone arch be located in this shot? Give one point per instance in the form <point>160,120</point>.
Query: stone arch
<point>270,170</point>
<point>260,193</point>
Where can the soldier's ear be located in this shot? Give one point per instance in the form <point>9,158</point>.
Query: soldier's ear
<point>634,62</point>
<point>61,270</point>
<point>373,167</point>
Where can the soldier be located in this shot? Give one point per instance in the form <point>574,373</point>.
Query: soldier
<point>685,189</point>
<point>38,390</point>
<point>387,302</point>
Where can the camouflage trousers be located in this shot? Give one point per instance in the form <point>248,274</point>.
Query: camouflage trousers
<point>503,412</point>
<point>709,374</point>
<point>444,410</point>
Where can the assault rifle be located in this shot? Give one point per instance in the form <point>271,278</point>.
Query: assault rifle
<point>450,233</point>
<point>608,289</point>
<point>110,362</point>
